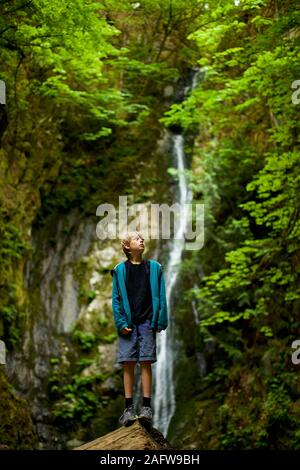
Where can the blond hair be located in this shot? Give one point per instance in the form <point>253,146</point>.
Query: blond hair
<point>126,239</point>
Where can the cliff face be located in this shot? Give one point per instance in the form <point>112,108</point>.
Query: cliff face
<point>58,327</point>
<point>64,364</point>
<point>69,293</point>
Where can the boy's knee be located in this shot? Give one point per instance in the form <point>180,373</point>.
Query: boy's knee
<point>129,364</point>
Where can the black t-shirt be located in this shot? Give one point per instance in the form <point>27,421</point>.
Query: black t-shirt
<point>138,291</point>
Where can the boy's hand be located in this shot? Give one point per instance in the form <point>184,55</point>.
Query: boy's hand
<point>126,331</point>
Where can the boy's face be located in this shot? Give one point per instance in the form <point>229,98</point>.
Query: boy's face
<point>137,244</point>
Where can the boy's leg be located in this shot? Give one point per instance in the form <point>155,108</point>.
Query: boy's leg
<point>147,356</point>
<point>128,356</point>
<point>128,377</point>
<point>146,378</point>
<point>146,413</point>
<point>129,415</point>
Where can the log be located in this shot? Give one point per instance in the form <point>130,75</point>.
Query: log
<point>138,436</point>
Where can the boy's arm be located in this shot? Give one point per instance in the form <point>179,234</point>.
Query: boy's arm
<point>163,309</point>
<point>117,309</point>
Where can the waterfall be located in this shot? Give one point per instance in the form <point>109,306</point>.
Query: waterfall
<point>164,387</point>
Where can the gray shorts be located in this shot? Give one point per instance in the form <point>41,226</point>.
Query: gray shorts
<point>139,345</point>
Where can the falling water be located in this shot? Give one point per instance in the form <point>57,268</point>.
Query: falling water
<point>164,392</point>
<point>164,397</point>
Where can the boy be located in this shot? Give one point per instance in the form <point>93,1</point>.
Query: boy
<point>140,310</point>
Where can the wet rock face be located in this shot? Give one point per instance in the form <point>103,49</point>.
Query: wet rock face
<point>60,277</point>
<point>105,360</point>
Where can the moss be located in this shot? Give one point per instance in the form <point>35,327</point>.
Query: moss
<point>193,425</point>
<point>86,340</point>
<point>241,409</point>
<point>16,427</point>
<point>110,338</point>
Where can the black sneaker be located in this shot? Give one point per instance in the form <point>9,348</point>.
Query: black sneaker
<point>146,414</point>
<point>129,415</point>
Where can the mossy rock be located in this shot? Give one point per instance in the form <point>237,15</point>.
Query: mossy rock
<point>194,425</point>
<point>17,431</point>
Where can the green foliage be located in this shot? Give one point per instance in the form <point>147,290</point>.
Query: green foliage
<point>75,395</point>
<point>245,171</point>
<point>266,179</point>
<point>103,321</point>
<point>75,400</point>
<point>85,340</point>
<point>111,338</point>
<point>87,296</point>
<point>86,98</point>
<point>84,362</point>
<point>13,248</point>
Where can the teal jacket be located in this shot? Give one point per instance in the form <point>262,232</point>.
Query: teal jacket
<point>120,303</point>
